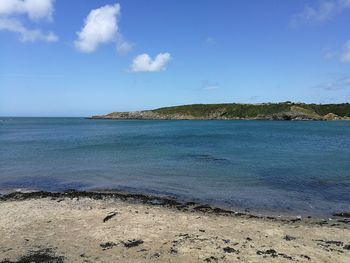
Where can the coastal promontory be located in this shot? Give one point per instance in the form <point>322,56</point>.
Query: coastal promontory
<point>235,111</point>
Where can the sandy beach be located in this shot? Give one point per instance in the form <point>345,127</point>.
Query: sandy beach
<point>174,131</point>
<point>88,227</point>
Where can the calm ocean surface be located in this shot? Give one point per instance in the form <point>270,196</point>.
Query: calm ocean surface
<point>295,168</point>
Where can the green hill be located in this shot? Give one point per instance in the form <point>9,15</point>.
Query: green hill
<point>264,111</point>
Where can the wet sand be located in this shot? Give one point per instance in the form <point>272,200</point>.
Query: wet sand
<point>119,227</point>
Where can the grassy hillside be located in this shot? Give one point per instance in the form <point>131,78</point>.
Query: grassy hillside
<point>267,111</point>
<point>235,110</point>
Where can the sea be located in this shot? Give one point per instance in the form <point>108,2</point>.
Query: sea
<point>264,167</point>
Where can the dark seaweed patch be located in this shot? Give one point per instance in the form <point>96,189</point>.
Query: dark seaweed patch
<point>289,238</point>
<point>342,214</point>
<point>107,245</point>
<point>132,243</point>
<point>39,256</point>
<point>330,242</point>
<point>273,253</point>
<point>133,198</point>
<point>212,259</point>
<point>230,250</point>
<point>305,256</point>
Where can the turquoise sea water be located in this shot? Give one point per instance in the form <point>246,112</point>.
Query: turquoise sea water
<point>297,168</point>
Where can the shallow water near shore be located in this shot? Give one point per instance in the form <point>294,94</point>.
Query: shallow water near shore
<point>295,168</point>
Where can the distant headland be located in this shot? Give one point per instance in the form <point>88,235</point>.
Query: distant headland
<point>235,111</point>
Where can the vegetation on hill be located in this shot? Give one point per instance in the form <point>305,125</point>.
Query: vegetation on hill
<point>274,111</point>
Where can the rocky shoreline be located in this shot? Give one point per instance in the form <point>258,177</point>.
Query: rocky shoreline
<point>150,115</point>
<point>339,219</point>
<point>78,226</point>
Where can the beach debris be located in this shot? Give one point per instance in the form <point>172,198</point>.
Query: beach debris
<point>239,214</point>
<point>212,259</point>
<point>330,242</point>
<point>107,245</point>
<point>156,255</point>
<point>203,208</point>
<point>347,247</point>
<point>230,250</point>
<point>132,243</point>
<point>337,243</point>
<point>345,221</point>
<point>298,218</point>
<point>173,250</point>
<point>322,222</point>
<point>249,239</point>
<point>110,216</point>
<point>342,214</point>
<point>330,245</point>
<point>305,256</point>
<point>273,253</point>
<point>289,238</point>
<point>252,216</point>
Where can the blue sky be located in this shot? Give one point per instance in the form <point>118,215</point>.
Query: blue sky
<point>84,57</point>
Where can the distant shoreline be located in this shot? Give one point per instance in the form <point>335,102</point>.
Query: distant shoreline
<point>160,200</point>
<point>286,111</point>
<point>200,119</point>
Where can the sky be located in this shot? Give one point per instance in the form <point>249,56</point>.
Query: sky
<point>87,57</point>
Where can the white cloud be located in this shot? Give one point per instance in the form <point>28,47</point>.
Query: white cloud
<point>101,26</point>
<point>345,57</point>
<point>35,9</point>
<point>26,35</point>
<point>144,63</point>
<point>326,10</point>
